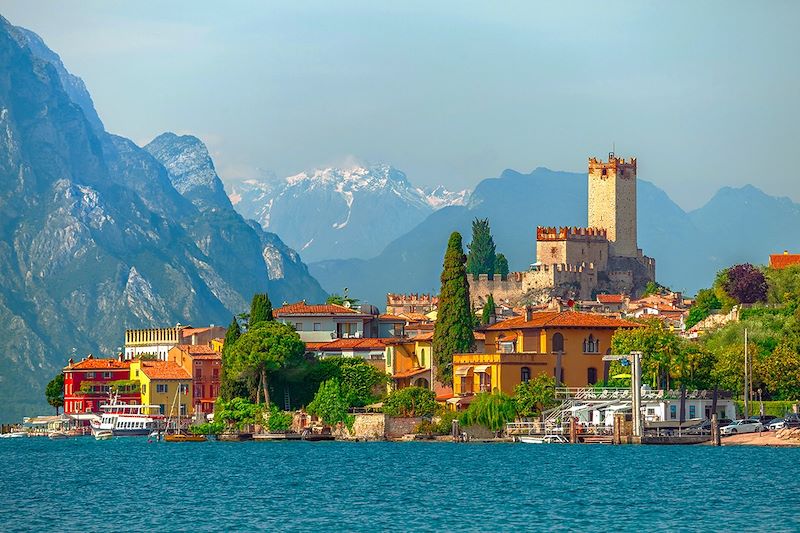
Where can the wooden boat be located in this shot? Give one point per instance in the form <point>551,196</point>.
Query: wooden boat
<point>182,437</point>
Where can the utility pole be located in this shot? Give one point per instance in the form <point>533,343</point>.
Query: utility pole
<point>746,381</point>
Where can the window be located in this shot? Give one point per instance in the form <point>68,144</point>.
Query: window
<point>78,406</point>
<point>90,375</point>
<point>508,347</point>
<point>591,376</point>
<point>144,388</point>
<point>692,411</point>
<point>161,408</point>
<point>485,382</point>
<point>317,326</point>
<point>591,345</point>
<point>183,409</point>
<point>558,342</point>
<point>106,375</point>
<point>673,412</point>
<point>298,326</point>
<point>466,384</point>
<point>198,373</point>
<point>525,374</point>
<point>184,388</point>
<point>162,388</point>
<point>198,391</point>
<point>215,373</point>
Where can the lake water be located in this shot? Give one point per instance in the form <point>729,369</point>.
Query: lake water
<point>130,484</point>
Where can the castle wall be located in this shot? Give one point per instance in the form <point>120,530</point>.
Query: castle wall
<point>509,289</point>
<point>573,252</point>
<point>612,202</point>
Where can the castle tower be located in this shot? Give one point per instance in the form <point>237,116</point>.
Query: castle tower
<point>612,202</point>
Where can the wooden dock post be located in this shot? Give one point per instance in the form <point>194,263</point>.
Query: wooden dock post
<point>715,437</point>
<point>573,430</point>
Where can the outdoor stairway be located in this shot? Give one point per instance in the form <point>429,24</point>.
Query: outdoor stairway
<point>287,404</point>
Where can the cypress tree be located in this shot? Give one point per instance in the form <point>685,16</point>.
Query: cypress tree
<point>501,266</point>
<point>229,386</point>
<point>260,309</point>
<point>453,330</point>
<point>482,256</point>
<point>488,310</point>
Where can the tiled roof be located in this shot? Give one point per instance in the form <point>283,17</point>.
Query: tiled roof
<point>207,356</point>
<point>611,298</point>
<point>420,317</point>
<point>188,332</point>
<point>479,336</point>
<point>563,319</point>
<point>300,308</point>
<point>410,373</point>
<point>90,363</point>
<point>196,349</point>
<point>164,370</point>
<point>427,336</point>
<point>783,260</point>
<point>348,344</point>
<point>391,318</point>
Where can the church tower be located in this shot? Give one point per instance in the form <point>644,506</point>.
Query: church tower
<point>612,202</point>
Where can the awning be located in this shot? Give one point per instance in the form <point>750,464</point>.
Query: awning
<point>462,370</point>
<point>482,369</point>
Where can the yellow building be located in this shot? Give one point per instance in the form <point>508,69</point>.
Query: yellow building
<point>568,343</point>
<point>160,382</point>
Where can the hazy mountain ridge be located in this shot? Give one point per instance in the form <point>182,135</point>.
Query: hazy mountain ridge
<point>736,225</point>
<point>95,238</point>
<point>340,212</point>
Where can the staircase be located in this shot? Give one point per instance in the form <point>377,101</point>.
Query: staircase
<point>287,404</point>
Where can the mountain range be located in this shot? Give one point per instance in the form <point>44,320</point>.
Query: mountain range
<point>736,225</point>
<point>98,235</point>
<point>339,213</point>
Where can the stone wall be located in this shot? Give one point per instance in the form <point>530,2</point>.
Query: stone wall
<point>612,202</point>
<point>502,289</point>
<point>377,426</point>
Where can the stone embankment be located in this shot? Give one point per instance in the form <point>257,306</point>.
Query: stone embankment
<point>782,437</point>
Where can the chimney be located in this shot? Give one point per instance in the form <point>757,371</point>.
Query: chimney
<point>120,357</point>
<point>71,361</point>
<point>786,252</point>
<point>528,313</point>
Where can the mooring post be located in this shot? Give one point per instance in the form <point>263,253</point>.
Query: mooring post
<point>715,438</point>
<point>573,430</point>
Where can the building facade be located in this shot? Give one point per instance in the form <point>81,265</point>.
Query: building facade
<point>89,382</point>
<point>165,384</point>
<point>205,365</point>
<point>159,341</point>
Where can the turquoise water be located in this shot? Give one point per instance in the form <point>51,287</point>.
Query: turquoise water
<point>127,484</point>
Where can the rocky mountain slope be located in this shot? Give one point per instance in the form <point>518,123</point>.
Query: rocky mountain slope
<point>736,225</point>
<point>340,213</point>
<point>95,238</point>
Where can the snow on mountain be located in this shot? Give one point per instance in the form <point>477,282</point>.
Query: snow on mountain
<point>340,212</point>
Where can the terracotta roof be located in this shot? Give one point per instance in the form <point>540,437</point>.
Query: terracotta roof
<point>427,336</point>
<point>163,370</point>
<point>207,356</point>
<point>90,363</point>
<point>391,318</point>
<point>563,319</point>
<point>188,332</point>
<point>196,349</point>
<point>479,336</point>
<point>300,308</point>
<point>410,373</point>
<point>416,316</point>
<point>783,260</point>
<point>348,344</point>
<point>611,298</point>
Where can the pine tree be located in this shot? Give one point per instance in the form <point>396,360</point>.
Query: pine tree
<point>501,266</point>
<point>488,310</point>
<point>260,309</point>
<point>229,386</point>
<point>453,330</point>
<point>482,256</point>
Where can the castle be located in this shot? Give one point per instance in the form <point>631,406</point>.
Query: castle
<point>576,262</point>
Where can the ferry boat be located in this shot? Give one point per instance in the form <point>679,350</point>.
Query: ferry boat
<point>127,420</point>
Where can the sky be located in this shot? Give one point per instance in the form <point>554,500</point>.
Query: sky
<point>704,94</point>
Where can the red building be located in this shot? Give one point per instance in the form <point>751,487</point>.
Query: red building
<point>87,384</point>
<point>204,364</point>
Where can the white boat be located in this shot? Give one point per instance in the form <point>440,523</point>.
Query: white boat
<point>127,420</point>
<point>55,435</point>
<point>104,434</point>
<point>544,439</point>
<point>14,435</point>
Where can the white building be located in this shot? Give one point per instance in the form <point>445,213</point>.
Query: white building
<point>159,341</point>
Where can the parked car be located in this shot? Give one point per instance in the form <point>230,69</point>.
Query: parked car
<point>790,421</point>
<point>747,425</point>
<point>775,424</point>
<point>765,420</point>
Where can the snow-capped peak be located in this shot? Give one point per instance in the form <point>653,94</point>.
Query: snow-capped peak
<point>439,197</point>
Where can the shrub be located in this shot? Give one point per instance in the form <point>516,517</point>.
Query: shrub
<point>409,402</point>
<point>492,411</point>
<point>279,421</point>
<point>330,404</point>
<point>208,428</point>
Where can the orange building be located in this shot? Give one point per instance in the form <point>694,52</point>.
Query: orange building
<point>783,260</point>
<point>204,364</point>
<point>568,343</point>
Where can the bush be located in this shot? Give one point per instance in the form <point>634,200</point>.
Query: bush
<point>492,411</point>
<point>236,413</point>
<point>279,421</point>
<point>409,402</point>
<point>330,404</point>
<point>208,428</point>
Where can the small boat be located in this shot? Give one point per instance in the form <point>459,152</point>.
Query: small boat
<point>14,435</point>
<point>104,434</point>
<point>182,437</point>
<point>56,435</point>
<point>544,439</point>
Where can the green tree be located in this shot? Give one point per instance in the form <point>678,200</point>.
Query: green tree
<point>262,350</point>
<point>337,299</point>
<point>452,332</point>
<point>410,401</point>
<point>54,392</point>
<point>229,386</point>
<point>536,395</point>
<point>492,411</point>
<point>704,304</point>
<point>236,413</point>
<point>488,310</point>
<point>481,258</point>
<point>279,421</point>
<point>501,266</point>
<point>358,379</point>
<point>260,310</point>
<point>659,347</point>
<point>330,404</point>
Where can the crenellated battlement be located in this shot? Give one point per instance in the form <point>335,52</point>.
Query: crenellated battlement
<point>566,233</point>
<point>613,163</point>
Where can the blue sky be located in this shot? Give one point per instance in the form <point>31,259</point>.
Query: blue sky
<point>705,94</point>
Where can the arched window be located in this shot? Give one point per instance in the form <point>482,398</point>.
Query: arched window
<point>590,345</point>
<point>525,374</point>
<point>592,376</point>
<point>558,342</point>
